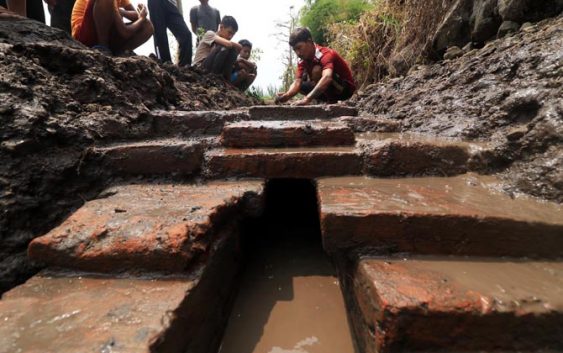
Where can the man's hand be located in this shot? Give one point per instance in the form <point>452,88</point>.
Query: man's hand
<point>304,101</point>
<point>142,11</point>
<point>280,98</point>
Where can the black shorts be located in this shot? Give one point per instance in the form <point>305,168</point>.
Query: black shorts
<point>339,90</point>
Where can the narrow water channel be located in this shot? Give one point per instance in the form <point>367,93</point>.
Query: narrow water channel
<point>289,299</point>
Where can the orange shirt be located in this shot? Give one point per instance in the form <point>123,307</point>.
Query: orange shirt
<point>79,10</point>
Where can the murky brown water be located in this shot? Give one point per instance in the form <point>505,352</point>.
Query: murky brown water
<point>289,302</point>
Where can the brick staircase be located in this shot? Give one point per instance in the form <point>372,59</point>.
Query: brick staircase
<point>435,258</point>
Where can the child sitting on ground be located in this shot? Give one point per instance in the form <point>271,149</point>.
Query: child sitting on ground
<point>244,71</point>
<point>215,52</point>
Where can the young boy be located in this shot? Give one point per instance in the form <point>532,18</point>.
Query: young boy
<point>99,24</point>
<point>321,73</point>
<point>215,52</point>
<point>244,72</point>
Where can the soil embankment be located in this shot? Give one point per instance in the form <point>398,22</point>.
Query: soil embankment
<point>59,98</point>
<point>508,93</point>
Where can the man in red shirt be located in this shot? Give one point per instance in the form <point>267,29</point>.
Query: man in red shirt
<point>322,74</point>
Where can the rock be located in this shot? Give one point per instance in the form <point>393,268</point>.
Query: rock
<point>467,47</point>
<point>484,20</point>
<point>528,10</point>
<point>516,133</point>
<point>454,28</point>
<point>526,25</point>
<point>507,27</point>
<point>453,53</point>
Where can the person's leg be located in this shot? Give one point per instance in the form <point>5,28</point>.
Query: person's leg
<point>103,16</point>
<point>35,10</point>
<point>222,61</point>
<point>177,25</point>
<point>158,19</point>
<point>61,14</point>
<point>118,44</point>
<point>316,73</point>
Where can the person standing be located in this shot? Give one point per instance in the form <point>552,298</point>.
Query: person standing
<point>165,14</point>
<point>204,18</point>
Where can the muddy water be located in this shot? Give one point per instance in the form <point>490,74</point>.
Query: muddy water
<point>237,151</point>
<point>289,301</point>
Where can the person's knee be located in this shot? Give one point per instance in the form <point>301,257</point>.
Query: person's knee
<point>104,4</point>
<point>148,28</point>
<point>316,73</point>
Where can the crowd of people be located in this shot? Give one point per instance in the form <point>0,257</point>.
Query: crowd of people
<point>117,26</point>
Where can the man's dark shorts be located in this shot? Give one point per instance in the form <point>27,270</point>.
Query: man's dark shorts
<point>339,90</point>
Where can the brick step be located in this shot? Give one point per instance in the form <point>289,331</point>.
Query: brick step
<point>248,134</point>
<point>464,215</point>
<point>456,304</point>
<point>286,112</point>
<point>310,162</point>
<point>68,312</point>
<point>146,227</point>
<point>154,157</point>
<point>400,154</point>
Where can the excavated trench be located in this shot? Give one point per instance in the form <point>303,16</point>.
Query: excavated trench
<point>289,298</point>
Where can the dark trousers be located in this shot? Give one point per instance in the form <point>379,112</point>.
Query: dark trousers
<point>61,13</point>
<point>220,61</point>
<point>34,9</point>
<point>165,14</point>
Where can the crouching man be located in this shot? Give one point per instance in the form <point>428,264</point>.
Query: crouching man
<point>216,53</point>
<point>321,74</point>
<point>99,24</point>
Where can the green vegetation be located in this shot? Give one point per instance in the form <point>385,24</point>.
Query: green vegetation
<point>317,15</point>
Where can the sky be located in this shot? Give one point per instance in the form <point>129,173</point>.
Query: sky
<point>257,23</point>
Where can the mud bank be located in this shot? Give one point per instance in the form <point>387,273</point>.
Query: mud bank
<point>507,93</point>
<point>58,98</point>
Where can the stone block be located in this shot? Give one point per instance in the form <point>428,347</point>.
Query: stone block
<point>68,312</point>
<point>196,123</point>
<point>370,124</point>
<point>147,227</point>
<point>286,134</point>
<point>399,155</point>
<point>152,157</point>
<point>283,162</point>
<point>286,112</point>
<point>462,215</point>
<point>458,304</point>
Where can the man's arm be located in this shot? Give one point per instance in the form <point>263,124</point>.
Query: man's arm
<point>193,19</point>
<point>320,87</point>
<point>129,12</point>
<point>247,64</point>
<point>291,92</point>
<point>227,43</point>
<point>127,30</point>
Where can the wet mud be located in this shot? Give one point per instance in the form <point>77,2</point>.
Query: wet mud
<point>507,93</point>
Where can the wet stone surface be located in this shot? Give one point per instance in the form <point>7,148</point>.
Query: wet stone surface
<point>286,134</point>
<point>459,303</point>
<point>152,157</point>
<point>300,113</point>
<point>455,215</point>
<point>308,162</point>
<point>80,313</point>
<point>146,227</point>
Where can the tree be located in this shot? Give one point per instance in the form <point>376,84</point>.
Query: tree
<point>317,15</point>
<point>285,29</point>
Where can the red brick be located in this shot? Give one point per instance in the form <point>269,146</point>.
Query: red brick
<point>286,134</point>
<point>455,215</point>
<point>283,163</point>
<point>457,304</point>
<point>145,227</point>
<point>300,113</point>
<point>183,123</point>
<point>400,155</point>
<point>370,124</point>
<point>152,157</point>
<point>72,312</point>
